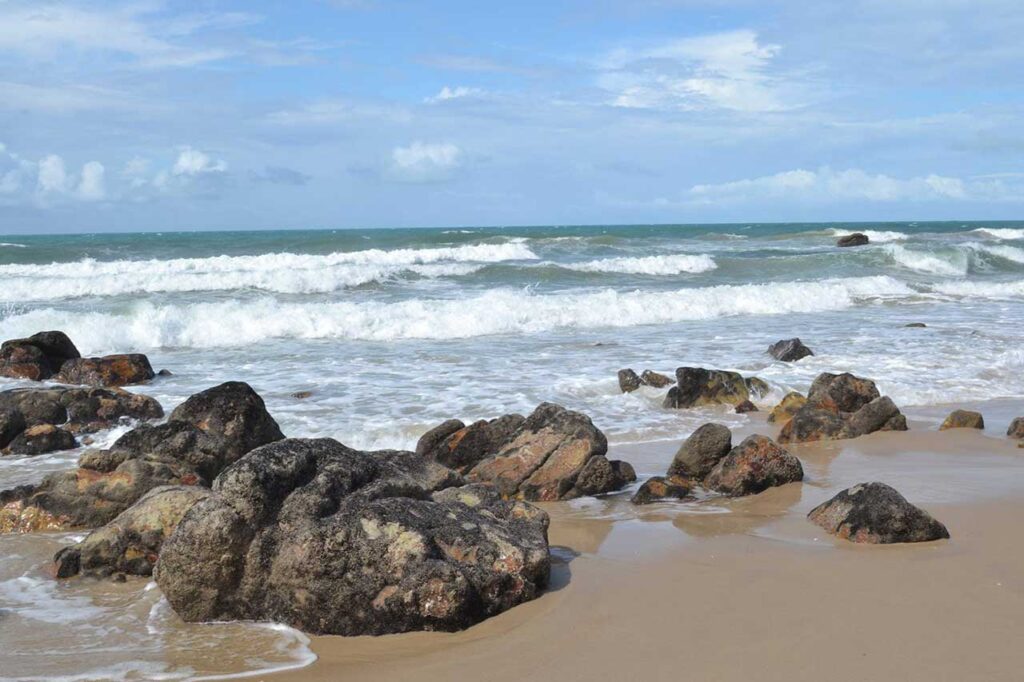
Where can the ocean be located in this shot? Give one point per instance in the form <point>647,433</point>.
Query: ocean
<point>395,330</point>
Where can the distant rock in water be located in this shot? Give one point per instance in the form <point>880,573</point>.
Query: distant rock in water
<point>697,387</point>
<point>204,434</point>
<point>655,379</point>
<point>855,239</point>
<point>546,456</point>
<point>916,325</point>
<point>876,513</point>
<point>1016,429</point>
<point>52,355</point>
<point>963,419</point>
<point>629,381</point>
<point>789,350</point>
<point>332,540</point>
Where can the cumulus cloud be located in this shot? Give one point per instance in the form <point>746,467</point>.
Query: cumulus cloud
<point>825,184</point>
<point>460,92</point>
<point>47,181</point>
<point>194,162</point>
<point>91,187</point>
<point>731,70</point>
<point>425,162</point>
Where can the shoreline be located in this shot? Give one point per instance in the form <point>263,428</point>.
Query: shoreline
<point>729,589</point>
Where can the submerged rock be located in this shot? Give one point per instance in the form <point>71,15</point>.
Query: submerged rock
<point>663,488</point>
<point>203,435</point>
<point>335,541</point>
<point>699,453</point>
<point>1016,429</point>
<point>38,357</point>
<point>696,387</point>
<point>110,370</point>
<point>41,439</point>
<point>916,325</point>
<point>629,381</point>
<point>876,513</point>
<point>754,465</point>
<point>655,379</point>
<point>785,410</point>
<point>963,419</point>
<point>855,239</point>
<point>789,350</point>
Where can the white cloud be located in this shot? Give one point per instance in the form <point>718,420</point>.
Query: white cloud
<point>425,162</point>
<point>460,92</point>
<point>194,162</point>
<point>827,185</point>
<point>731,70</point>
<point>91,187</point>
<point>52,177</point>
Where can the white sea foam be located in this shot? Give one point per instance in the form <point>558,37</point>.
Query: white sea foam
<point>954,265</point>
<point>12,245</point>
<point>877,236</point>
<point>1010,253</point>
<point>498,311</point>
<point>982,289</point>
<point>275,272</point>
<point>673,264</point>
<point>1001,232</point>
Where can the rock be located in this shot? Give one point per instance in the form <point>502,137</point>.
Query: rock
<point>599,475</point>
<point>881,414</point>
<point>963,419</point>
<point>302,395</point>
<point>131,542</point>
<point>462,447</point>
<point>628,381</point>
<point>41,439</point>
<point>841,392</point>
<point>165,373</point>
<point>12,422</point>
<point>79,409</point>
<point>754,465</point>
<point>655,379</point>
<point>746,406</point>
<point>876,513</point>
<point>204,434</point>
<point>696,387</point>
<point>699,453</point>
<point>38,357</point>
<point>662,488</point>
<point>916,325</point>
<point>331,540</point>
<point>757,387</point>
<point>785,410</point>
<point>789,350</point>
<point>1016,429</point>
<point>855,239</point>
<point>110,370</point>
<point>812,424</point>
<point>543,458</point>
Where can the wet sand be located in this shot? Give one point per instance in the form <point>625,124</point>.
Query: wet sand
<point>748,589</point>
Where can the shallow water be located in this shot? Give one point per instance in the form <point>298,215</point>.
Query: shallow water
<point>394,331</point>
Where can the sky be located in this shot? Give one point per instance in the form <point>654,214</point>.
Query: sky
<point>209,114</point>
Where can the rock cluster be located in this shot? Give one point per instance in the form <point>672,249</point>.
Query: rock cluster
<point>630,381</point>
<point>696,387</point>
<point>336,541</point>
<point>52,355</point>
<point>789,350</point>
<point>875,513</point>
<point>840,406</point>
<point>203,435</point>
<point>554,454</point>
<point>708,459</point>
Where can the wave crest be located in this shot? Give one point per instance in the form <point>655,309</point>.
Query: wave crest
<point>674,264</point>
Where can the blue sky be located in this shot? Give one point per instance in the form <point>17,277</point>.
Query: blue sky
<point>374,113</point>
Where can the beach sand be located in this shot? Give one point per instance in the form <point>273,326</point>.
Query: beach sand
<point>748,589</point>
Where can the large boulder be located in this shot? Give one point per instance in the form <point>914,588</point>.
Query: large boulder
<point>206,433</point>
<point>41,439</point>
<point>787,407</point>
<point>1016,428</point>
<point>699,453</point>
<point>789,350</point>
<point>540,457</point>
<point>881,414</point>
<point>841,392</point>
<point>963,419</point>
<point>696,387</point>
<point>855,239</point>
<point>109,370</point>
<point>754,465</point>
<point>331,540</point>
<point>131,542</point>
<point>38,357</point>
<point>841,406</point>
<point>875,513</point>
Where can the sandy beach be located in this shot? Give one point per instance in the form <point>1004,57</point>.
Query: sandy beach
<point>748,589</point>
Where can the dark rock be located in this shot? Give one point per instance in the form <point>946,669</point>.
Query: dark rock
<point>876,513</point>
<point>841,392</point>
<point>335,541</point>
<point>754,465</point>
<point>916,325</point>
<point>746,406</point>
<point>462,447</point>
<point>696,387</point>
<point>232,411</point>
<point>812,424</point>
<point>79,409</point>
<point>1016,429</point>
<point>855,239</point>
<point>789,350</point>
<point>12,422</point>
<point>881,414</point>
<point>41,439</point>
<point>38,357</point>
<point>963,419</point>
<point>628,381</point>
<point>131,542</point>
<point>599,475</point>
<point>660,488</point>
<point>757,387</point>
<point>785,410</point>
<point>110,370</point>
<point>655,379</point>
<point>302,395</point>
<point>699,453</point>
<point>165,373</point>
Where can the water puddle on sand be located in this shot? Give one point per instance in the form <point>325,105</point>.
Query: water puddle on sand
<point>102,630</point>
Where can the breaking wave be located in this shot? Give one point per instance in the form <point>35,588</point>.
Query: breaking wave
<point>877,236</point>
<point>674,264</point>
<point>955,265</point>
<point>1001,232</point>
